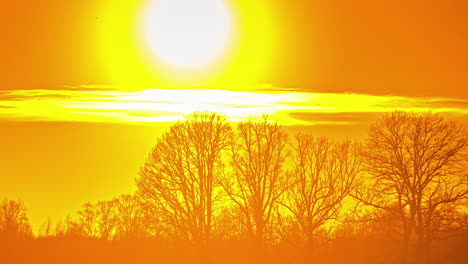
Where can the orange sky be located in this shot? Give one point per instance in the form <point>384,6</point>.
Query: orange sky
<point>71,131</point>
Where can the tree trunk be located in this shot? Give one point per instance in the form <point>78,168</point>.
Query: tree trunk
<point>405,249</point>
<point>309,251</point>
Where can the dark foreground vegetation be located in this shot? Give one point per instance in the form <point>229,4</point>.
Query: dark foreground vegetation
<point>214,192</point>
<point>93,250</point>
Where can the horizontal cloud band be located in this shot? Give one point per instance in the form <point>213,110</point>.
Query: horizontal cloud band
<point>95,104</point>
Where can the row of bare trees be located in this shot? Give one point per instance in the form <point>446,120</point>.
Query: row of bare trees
<point>207,179</point>
<point>203,170</point>
<point>119,218</point>
<point>412,166</point>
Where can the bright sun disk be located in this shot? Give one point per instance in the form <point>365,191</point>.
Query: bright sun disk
<point>187,33</point>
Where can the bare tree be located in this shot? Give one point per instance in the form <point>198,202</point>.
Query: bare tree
<point>226,223</point>
<point>132,219</point>
<point>107,218</point>
<point>258,180</point>
<point>177,182</point>
<point>14,222</point>
<point>418,162</point>
<point>47,228</point>
<point>98,220</point>
<point>87,220</point>
<point>68,228</point>
<point>324,173</point>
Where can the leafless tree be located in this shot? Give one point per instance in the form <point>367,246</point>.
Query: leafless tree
<point>47,228</point>
<point>226,224</point>
<point>68,228</point>
<point>14,222</point>
<point>98,220</point>
<point>87,220</point>
<point>324,173</point>
<point>258,153</point>
<point>133,222</point>
<point>417,161</point>
<point>107,218</point>
<point>178,183</point>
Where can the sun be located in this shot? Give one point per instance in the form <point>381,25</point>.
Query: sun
<point>187,33</point>
<point>226,44</point>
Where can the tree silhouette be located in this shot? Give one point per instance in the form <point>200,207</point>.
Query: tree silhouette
<point>108,218</point>
<point>258,153</point>
<point>324,173</point>
<point>133,222</point>
<point>98,220</point>
<point>177,182</point>
<point>418,162</point>
<point>68,228</point>
<point>87,220</point>
<point>14,221</point>
<point>47,228</point>
<point>226,223</point>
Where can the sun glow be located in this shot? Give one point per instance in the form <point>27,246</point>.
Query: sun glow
<point>186,43</point>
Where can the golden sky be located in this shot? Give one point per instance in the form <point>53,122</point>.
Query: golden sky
<point>83,98</point>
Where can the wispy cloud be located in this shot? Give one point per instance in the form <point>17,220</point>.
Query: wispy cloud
<point>106,104</point>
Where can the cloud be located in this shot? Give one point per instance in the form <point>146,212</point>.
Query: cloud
<point>335,118</point>
<point>96,103</point>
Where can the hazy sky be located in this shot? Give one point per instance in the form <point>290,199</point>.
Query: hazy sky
<point>381,47</point>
